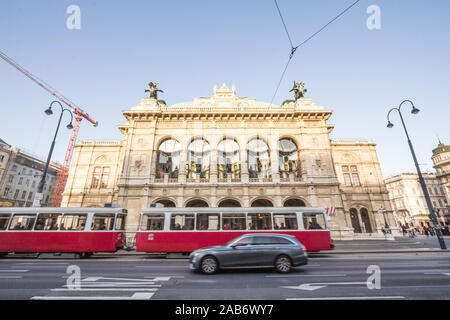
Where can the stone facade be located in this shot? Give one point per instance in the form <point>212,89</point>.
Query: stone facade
<point>408,201</point>
<point>231,151</point>
<point>441,161</point>
<point>20,173</point>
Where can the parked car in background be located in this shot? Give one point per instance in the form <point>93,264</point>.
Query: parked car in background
<point>255,250</point>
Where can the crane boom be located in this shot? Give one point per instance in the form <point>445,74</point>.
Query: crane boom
<point>76,110</point>
<point>79,115</point>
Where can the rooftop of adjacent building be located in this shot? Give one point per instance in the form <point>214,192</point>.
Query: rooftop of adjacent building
<point>29,155</point>
<point>409,175</point>
<point>441,148</point>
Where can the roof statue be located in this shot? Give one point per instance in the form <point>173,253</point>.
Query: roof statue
<point>299,90</point>
<point>153,90</point>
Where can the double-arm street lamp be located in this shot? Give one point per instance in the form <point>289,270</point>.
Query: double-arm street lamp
<point>421,180</point>
<point>38,196</point>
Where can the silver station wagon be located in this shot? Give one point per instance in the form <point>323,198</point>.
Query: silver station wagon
<point>256,250</point>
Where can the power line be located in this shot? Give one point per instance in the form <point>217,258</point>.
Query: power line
<point>294,49</point>
<point>334,19</point>
<point>284,24</point>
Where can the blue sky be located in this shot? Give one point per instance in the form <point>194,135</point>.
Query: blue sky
<point>188,46</point>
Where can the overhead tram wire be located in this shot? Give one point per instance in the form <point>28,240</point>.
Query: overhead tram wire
<point>294,49</point>
<point>284,24</point>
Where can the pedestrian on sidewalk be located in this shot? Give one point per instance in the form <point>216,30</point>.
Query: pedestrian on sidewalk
<point>404,230</point>
<point>425,230</point>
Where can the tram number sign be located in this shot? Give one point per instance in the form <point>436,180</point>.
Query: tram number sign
<point>151,236</point>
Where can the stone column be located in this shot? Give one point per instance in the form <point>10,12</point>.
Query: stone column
<point>213,166</point>
<point>274,161</point>
<point>182,169</point>
<point>154,159</point>
<point>244,166</point>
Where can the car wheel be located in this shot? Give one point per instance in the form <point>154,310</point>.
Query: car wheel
<point>209,265</point>
<point>283,264</point>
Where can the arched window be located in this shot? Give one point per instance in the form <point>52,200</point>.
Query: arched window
<point>262,203</point>
<point>288,158</point>
<point>355,220</point>
<point>229,203</point>
<point>168,159</point>
<point>196,203</point>
<point>100,177</point>
<point>228,160</point>
<point>198,159</point>
<point>166,203</point>
<point>258,159</point>
<point>294,203</point>
<point>366,225</point>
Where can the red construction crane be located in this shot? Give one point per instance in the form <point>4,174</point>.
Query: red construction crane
<point>79,115</point>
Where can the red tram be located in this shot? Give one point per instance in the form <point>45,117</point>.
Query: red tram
<point>65,230</point>
<point>188,229</point>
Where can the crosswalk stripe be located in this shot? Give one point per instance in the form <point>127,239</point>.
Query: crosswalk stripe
<point>136,296</point>
<point>105,289</point>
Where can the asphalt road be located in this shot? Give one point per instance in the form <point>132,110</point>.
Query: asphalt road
<point>403,276</point>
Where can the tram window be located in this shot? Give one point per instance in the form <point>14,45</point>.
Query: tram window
<point>21,222</point>
<point>233,221</point>
<point>153,222</point>
<point>208,221</point>
<point>120,222</point>
<point>48,221</point>
<point>4,220</point>
<point>285,221</point>
<point>73,222</point>
<point>259,221</point>
<point>103,222</point>
<point>313,221</point>
<point>182,222</point>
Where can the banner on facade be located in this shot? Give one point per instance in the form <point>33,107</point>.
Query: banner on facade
<point>331,211</point>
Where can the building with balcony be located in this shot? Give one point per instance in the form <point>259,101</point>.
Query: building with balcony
<point>229,151</point>
<point>20,173</point>
<point>408,200</point>
<point>441,161</point>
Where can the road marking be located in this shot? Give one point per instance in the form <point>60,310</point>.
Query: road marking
<point>10,277</point>
<point>445,273</point>
<point>146,277</point>
<point>105,289</point>
<point>157,278</point>
<point>308,275</point>
<point>13,270</point>
<point>350,298</point>
<point>136,296</point>
<point>116,285</point>
<point>42,263</point>
<point>315,286</point>
<point>143,289</point>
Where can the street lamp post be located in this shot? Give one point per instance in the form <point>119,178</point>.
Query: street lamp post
<point>386,225</point>
<point>38,197</point>
<point>421,180</point>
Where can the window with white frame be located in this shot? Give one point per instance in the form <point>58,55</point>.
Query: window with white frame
<point>351,176</point>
